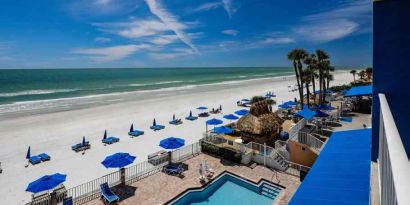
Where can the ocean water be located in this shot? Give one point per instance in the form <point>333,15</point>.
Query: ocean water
<point>19,86</point>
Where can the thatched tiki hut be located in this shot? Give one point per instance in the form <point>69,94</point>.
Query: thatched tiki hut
<point>260,125</point>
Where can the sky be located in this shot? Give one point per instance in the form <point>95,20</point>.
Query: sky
<point>181,33</point>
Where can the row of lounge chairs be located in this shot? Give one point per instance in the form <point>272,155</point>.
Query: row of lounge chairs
<point>110,140</point>
<point>81,146</point>
<point>39,158</point>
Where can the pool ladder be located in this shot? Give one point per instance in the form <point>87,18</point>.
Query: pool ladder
<point>269,190</point>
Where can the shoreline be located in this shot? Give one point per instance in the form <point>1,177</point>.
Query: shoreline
<point>55,131</point>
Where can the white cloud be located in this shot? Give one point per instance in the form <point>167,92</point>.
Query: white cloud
<point>336,23</point>
<point>85,8</point>
<point>135,28</point>
<point>229,7</point>
<point>164,39</point>
<point>230,32</point>
<point>177,52</point>
<point>268,40</point>
<point>102,39</point>
<point>206,7</point>
<point>113,53</point>
<point>156,7</point>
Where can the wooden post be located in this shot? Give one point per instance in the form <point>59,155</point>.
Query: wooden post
<point>122,176</point>
<point>53,198</point>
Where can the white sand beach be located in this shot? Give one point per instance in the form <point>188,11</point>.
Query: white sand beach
<point>54,131</point>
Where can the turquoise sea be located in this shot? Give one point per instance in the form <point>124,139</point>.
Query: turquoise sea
<point>46,84</point>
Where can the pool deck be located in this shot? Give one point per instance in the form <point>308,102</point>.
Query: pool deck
<point>160,188</point>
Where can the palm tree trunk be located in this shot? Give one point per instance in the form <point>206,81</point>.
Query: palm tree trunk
<point>314,89</point>
<point>308,95</point>
<point>324,92</point>
<point>298,80</point>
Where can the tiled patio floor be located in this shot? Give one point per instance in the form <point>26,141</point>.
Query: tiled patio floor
<point>160,188</point>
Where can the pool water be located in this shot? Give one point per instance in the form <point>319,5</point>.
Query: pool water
<point>231,190</point>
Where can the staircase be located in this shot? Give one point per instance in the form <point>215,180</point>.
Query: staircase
<point>280,161</point>
<point>269,190</point>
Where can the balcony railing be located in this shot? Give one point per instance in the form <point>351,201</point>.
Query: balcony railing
<point>394,166</point>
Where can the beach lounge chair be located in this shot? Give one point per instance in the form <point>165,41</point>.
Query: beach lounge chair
<point>34,160</point>
<point>157,127</point>
<point>107,195</point>
<point>44,157</point>
<point>136,133</point>
<point>173,169</point>
<point>68,201</point>
<point>215,111</point>
<point>191,118</point>
<point>79,147</point>
<point>175,122</point>
<point>110,140</point>
<point>203,114</point>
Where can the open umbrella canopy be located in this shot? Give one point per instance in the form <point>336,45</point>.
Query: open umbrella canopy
<point>214,121</point>
<point>202,108</point>
<point>325,107</point>
<point>118,160</point>
<point>222,130</point>
<point>285,106</point>
<point>321,114</point>
<point>306,113</point>
<point>231,117</point>
<point>242,112</point>
<point>28,155</point>
<point>46,182</point>
<point>172,143</point>
<point>290,103</point>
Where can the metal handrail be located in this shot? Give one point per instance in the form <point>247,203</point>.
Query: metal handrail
<point>394,166</point>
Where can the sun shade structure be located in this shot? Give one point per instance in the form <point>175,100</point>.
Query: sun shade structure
<point>339,176</point>
<point>291,103</point>
<point>202,108</point>
<point>172,143</point>
<point>28,155</point>
<point>325,107</point>
<point>214,121</point>
<point>242,112</point>
<point>360,91</point>
<point>306,113</point>
<point>231,117</point>
<point>222,130</point>
<point>285,106</point>
<point>321,114</point>
<point>118,160</point>
<point>46,182</point>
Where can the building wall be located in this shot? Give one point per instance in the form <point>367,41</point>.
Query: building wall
<point>391,66</point>
<point>301,154</point>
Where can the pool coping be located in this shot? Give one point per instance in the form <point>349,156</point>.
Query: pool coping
<point>201,188</point>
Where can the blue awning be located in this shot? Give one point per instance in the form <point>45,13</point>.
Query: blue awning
<point>359,91</point>
<point>341,173</point>
<point>306,113</point>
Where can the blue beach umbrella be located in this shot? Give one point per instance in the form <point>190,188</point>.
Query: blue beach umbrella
<point>202,108</point>
<point>231,117</point>
<point>321,114</point>
<point>190,113</point>
<point>223,130</point>
<point>245,100</point>
<point>154,123</point>
<point>28,155</point>
<point>83,143</point>
<point>214,121</point>
<point>46,182</point>
<point>172,143</point>
<point>285,106</point>
<point>132,128</point>
<point>118,160</point>
<point>291,103</point>
<point>105,135</point>
<point>306,113</point>
<point>242,112</point>
<point>173,117</point>
<point>220,107</point>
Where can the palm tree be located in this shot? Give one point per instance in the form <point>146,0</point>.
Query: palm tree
<point>353,72</point>
<point>296,56</point>
<point>362,74</point>
<point>311,63</point>
<point>307,79</point>
<point>369,73</point>
<point>322,58</point>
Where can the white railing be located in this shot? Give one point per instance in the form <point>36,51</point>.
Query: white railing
<point>394,166</point>
<point>295,129</point>
<point>310,140</point>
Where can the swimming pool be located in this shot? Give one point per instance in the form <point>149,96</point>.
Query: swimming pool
<point>228,189</point>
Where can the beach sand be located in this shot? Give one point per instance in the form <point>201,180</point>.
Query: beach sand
<point>54,131</point>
